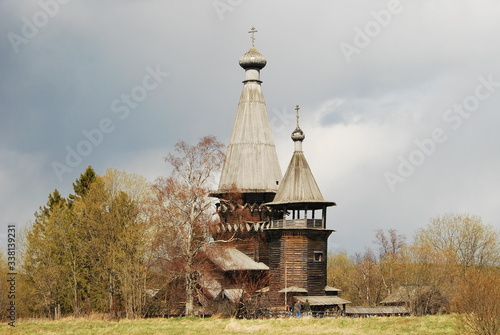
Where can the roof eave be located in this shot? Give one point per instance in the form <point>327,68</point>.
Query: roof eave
<point>314,203</point>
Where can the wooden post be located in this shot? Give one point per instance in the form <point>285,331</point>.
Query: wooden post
<point>324,217</point>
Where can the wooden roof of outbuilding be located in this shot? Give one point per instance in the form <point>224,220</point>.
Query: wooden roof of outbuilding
<point>404,293</point>
<point>324,300</point>
<point>233,294</point>
<point>379,310</point>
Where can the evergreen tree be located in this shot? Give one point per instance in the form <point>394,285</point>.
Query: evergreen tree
<point>45,263</point>
<point>88,254</point>
<point>82,184</point>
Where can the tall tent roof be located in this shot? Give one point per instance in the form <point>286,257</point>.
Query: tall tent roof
<point>298,184</point>
<point>251,160</point>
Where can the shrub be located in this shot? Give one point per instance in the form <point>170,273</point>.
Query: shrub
<point>478,301</point>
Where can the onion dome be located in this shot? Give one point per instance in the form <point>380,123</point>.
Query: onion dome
<point>298,135</point>
<point>252,59</point>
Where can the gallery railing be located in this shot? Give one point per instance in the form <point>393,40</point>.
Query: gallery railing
<point>297,223</point>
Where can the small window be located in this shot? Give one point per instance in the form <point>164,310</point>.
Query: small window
<point>318,256</point>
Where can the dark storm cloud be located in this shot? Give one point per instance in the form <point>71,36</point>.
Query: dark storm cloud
<point>360,117</point>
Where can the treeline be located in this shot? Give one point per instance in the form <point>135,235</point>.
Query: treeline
<point>452,265</point>
<point>88,252</point>
<point>124,247</point>
<point>120,245</point>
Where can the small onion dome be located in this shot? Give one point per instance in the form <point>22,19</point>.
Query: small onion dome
<point>252,59</point>
<point>298,135</point>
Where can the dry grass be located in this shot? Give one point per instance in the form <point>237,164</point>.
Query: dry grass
<point>428,325</point>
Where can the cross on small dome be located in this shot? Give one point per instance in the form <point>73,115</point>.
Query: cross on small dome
<point>298,134</point>
<point>253,31</point>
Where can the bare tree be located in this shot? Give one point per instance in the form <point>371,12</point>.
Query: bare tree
<point>389,244</point>
<point>392,260</point>
<point>254,302</point>
<point>461,238</point>
<point>367,279</point>
<point>187,211</point>
<point>479,301</point>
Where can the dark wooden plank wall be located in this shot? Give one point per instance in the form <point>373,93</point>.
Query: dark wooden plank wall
<point>316,270</point>
<point>293,265</point>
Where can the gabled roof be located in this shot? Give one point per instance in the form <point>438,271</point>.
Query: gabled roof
<point>231,259</point>
<point>405,293</point>
<point>211,285</point>
<point>233,294</point>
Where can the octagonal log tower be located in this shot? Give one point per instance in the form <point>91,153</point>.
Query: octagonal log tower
<point>297,234</point>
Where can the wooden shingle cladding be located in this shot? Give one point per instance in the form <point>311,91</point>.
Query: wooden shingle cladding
<point>323,300</point>
<point>231,259</point>
<point>251,163</point>
<point>227,266</point>
<point>252,243</point>
<point>299,186</point>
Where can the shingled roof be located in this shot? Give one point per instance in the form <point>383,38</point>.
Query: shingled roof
<point>251,160</point>
<point>323,300</point>
<point>231,259</point>
<point>298,185</point>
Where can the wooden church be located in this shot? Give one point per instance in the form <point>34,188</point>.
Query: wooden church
<point>274,223</point>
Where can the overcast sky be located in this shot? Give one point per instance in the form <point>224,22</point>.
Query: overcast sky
<point>399,99</point>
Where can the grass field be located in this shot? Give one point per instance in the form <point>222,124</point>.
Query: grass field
<point>428,325</point>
